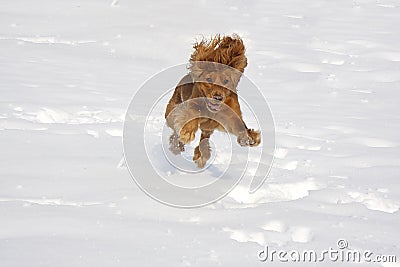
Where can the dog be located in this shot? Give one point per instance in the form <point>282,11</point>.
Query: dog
<point>206,98</point>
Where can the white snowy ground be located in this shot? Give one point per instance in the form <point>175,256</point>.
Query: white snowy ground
<point>329,69</point>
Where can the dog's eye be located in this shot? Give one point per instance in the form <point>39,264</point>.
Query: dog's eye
<point>209,80</point>
<point>225,81</point>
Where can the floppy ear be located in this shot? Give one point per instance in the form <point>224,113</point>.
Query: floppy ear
<point>235,77</point>
<point>228,50</point>
<point>195,71</point>
<point>203,51</point>
<point>239,63</point>
<point>236,53</point>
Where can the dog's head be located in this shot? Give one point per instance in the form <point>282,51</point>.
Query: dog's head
<point>218,84</point>
<point>216,67</point>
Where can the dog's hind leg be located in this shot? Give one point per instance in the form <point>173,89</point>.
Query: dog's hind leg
<point>202,152</point>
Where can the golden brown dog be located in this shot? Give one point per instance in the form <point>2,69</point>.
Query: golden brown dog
<point>206,98</point>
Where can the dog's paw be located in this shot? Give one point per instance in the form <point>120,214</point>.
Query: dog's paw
<point>249,138</point>
<point>202,153</point>
<point>200,162</point>
<point>175,146</point>
<point>243,139</point>
<point>254,137</point>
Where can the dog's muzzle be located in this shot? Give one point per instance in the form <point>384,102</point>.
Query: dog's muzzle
<point>214,104</point>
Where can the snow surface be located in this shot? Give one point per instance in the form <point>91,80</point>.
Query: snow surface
<point>68,69</point>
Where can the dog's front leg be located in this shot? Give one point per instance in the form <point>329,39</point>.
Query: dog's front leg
<point>245,136</point>
<point>188,131</point>
<point>250,137</point>
<point>186,122</point>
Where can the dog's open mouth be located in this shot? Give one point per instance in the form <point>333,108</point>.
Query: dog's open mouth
<point>213,106</point>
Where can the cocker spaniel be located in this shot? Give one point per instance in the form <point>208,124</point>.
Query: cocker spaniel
<point>206,98</point>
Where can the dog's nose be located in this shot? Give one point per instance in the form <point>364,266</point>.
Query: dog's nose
<point>217,97</point>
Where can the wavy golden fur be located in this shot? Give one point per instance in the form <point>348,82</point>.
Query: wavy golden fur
<point>206,98</point>
<point>226,50</point>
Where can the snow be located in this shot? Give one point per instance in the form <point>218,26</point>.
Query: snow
<point>68,70</point>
